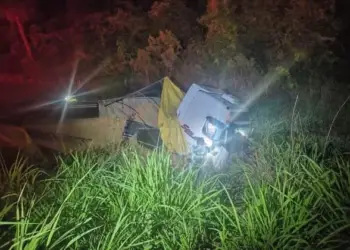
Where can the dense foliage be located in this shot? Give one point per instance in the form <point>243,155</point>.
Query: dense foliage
<point>255,48</point>
<point>234,44</point>
<point>291,194</point>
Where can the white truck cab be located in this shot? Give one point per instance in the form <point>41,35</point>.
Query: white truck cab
<point>206,113</point>
<point>208,117</point>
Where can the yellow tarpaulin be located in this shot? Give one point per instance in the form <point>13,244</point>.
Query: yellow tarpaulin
<point>170,128</point>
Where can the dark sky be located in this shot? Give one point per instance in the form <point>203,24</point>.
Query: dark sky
<point>52,7</point>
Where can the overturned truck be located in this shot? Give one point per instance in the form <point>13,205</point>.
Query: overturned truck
<point>205,125</point>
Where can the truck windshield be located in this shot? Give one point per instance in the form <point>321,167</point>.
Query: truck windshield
<point>213,128</point>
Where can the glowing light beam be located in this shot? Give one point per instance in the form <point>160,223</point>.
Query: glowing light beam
<point>94,73</point>
<point>269,79</point>
<point>70,86</point>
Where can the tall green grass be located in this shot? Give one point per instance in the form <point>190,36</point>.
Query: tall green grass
<point>290,202</point>
<point>127,200</point>
<point>115,202</point>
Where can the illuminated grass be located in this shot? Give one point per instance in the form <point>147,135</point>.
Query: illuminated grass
<point>290,202</point>
<point>124,200</point>
<point>116,202</point>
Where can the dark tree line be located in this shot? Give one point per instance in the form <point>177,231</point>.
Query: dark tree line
<point>232,44</point>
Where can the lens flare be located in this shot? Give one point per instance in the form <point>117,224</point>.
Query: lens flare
<point>269,79</point>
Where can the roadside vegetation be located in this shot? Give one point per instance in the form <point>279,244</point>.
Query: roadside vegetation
<point>289,195</point>
<point>292,193</point>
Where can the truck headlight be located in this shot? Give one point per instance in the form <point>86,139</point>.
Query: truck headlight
<point>208,142</point>
<point>70,98</point>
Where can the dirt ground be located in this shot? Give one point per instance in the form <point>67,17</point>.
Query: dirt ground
<point>40,138</point>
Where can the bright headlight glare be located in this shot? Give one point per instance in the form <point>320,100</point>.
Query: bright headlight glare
<point>70,98</point>
<point>208,142</point>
